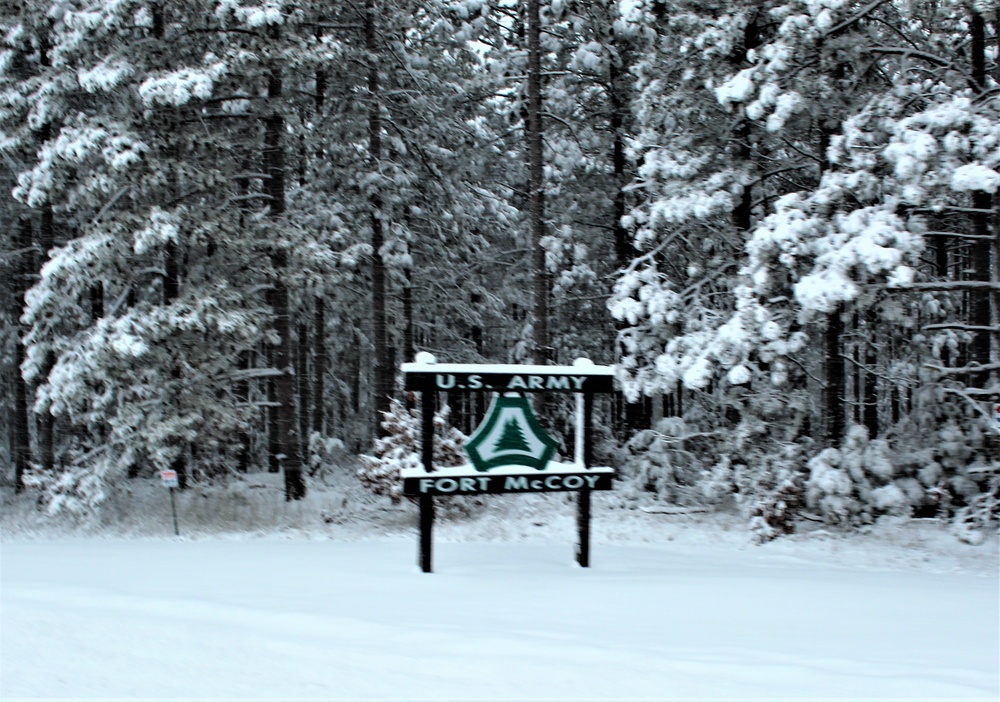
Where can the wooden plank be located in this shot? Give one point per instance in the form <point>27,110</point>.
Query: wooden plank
<point>486,381</point>
<point>583,529</point>
<point>426,532</point>
<point>486,484</point>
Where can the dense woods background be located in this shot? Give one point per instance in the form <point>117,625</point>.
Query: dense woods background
<point>227,223</point>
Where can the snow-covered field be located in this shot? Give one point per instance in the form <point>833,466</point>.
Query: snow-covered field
<point>332,605</point>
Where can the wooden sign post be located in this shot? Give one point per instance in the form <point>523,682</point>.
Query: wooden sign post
<point>171,481</point>
<point>510,451</point>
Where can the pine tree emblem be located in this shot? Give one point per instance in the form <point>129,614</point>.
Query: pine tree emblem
<point>512,438</point>
<point>510,435</point>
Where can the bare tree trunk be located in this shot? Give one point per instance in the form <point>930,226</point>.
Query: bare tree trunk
<point>833,399</point>
<point>536,187</point>
<point>409,346</point>
<point>243,388</point>
<point>870,396</point>
<point>45,426</point>
<point>836,372</point>
<point>319,366</point>
<point>304,382</point>
<point>273,443</point>
<point>171,289</point>
<point>618,97</point>
<point>857,403</point>
<point>22,437</point>
<point>381,363</point>
<point>980,255</point>
<point>286,420</point>
<point>242,394</point>
<point>44,421</point>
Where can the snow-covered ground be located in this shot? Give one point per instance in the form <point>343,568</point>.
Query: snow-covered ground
<point>323,600</point>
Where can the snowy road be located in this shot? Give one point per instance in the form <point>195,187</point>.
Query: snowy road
<point>260,618</point>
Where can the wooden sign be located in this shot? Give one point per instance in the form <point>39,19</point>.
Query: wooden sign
<point>510,439</point>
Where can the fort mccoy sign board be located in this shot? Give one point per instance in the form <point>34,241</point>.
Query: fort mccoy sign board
<point>510,451</point>
<point>451,481</point>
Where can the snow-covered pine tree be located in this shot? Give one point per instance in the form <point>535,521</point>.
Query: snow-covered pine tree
<point>705,169</point>
<point>399,448</point>
<point>165,133</point>
<point>420,164</point>
<point>904,149</point>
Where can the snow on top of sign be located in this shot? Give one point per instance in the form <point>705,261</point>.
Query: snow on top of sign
<point>467,470</point>
<point>426,363</point>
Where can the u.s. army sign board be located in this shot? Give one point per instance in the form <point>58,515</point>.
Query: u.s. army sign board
<point>506,378</point>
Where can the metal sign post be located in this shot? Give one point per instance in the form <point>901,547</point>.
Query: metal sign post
<point>510,451</point>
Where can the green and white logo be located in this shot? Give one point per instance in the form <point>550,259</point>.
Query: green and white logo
<point>510,435</point>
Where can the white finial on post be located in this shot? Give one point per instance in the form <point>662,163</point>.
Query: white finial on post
<point>425,358</point>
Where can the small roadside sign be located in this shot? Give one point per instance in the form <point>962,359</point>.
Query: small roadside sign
<point>996,415</point>
<point>169,478</point>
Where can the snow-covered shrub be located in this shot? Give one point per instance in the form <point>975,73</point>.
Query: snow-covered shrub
<point>77,488</point>
<point>324,453</point>
<point>774,514</point>
<point>945,453</point>
<point>854,483</point>
<point>982,512</point>
<point>400,448</point>
<point>662,461</point>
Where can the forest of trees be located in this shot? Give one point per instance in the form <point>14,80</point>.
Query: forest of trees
<point>227,222</point>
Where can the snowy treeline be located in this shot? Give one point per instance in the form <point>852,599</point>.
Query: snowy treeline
<point>230,221</point>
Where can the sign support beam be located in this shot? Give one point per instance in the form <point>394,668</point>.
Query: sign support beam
<point>428,400</point>
<point>173,511</point>
<point>583,499</point>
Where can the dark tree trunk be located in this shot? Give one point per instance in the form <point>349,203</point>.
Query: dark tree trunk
<point>836,372</point>
<point>304,382</point>
<point>980,254</point>
<point>536,187</point>
<point>319,366</point>
<point>833,400</point>
<point>871,392</point>
<point>286,419</point>
<point>942,247</point>
<point>45,426</point>
<point>636,415</point>
<point>96,301</point>
<point>171,289</point>
<point>859,375</point>
<point>894,402</point>
<point>618,96</point>
<point>409,347</point>
<point>242,393</point>
<point>381,363</point>
<point>273,443</point>
<point>21,439</point>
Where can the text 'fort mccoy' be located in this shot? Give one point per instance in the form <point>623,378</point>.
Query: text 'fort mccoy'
<point>496,484</point>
